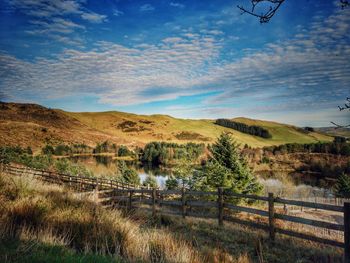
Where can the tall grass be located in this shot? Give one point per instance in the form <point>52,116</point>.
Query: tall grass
<point>47,223</point>
<point>31,211</point>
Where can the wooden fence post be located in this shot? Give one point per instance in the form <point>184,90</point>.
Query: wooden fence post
<point>346,232</point>
<point>183,202</point>
<point>154,197</point>
<point>130,200</point>
<point>220,206</point>
<point>271,217</point>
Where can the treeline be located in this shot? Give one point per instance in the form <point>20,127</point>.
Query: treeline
<point>107,147</point>
<point>161,153</point>
<point>326,169</point>
<point>104,147</point>
<point>241,127</point>
<point>63,149</point>
<point>335,147</point>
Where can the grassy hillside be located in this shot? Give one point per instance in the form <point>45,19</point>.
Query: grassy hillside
<point>34,125</point>
<point>333,131</point>
<point>143,128</point>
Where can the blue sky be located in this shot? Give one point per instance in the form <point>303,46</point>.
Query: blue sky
<point>189,59</point>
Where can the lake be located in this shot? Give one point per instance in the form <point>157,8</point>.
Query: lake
<point>106,166</point>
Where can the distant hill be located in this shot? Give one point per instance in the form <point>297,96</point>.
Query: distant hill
<point>333,131</point>
<point>34,125</point>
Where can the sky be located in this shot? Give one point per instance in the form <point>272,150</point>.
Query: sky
<point>188,59</point>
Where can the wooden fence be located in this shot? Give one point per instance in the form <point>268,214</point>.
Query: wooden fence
<point>220,205</point>
<point>79,182</point>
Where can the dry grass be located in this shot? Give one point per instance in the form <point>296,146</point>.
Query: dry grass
<point>35,213</point>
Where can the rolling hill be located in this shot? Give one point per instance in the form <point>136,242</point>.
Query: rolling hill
<point>34,125</point>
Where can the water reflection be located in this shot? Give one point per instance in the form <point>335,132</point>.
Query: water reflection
<point>107,166</point>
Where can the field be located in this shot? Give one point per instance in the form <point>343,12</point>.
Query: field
<point>34,125</point>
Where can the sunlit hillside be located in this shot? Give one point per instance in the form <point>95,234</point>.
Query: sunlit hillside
<point>34,125</point>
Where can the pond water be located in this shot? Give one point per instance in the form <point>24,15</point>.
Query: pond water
<point>106,166</point>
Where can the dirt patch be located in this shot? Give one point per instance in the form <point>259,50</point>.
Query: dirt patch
<point>191,136</point>
<point>131,126</point>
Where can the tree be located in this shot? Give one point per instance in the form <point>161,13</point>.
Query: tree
<point>48,149</point>
<point>150,181</point>
<point>274,5</point>
<point>227,168</point>
<point>183,170</point>
<point>171,183</point>
<point>128,175</point>
<point>342,186</point>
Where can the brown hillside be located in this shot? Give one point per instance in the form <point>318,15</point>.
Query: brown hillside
<point>34,125</point>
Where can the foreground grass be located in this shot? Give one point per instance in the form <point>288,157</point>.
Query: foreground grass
<point>14,250</point>
<point>46,223</point>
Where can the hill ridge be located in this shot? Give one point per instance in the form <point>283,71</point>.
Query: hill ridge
<point>35,125</point>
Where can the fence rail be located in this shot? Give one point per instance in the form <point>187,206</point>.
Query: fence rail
<point>218,204</point>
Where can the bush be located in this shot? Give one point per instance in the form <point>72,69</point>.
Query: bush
<point>48,149</point>
<point>171,183</point>
<point>124,151</point>
<point>150,181</point>
<point>342,186</point>
<point>129,175</point>
<point>67,167</point>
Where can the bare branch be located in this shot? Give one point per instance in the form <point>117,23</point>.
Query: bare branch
<point>346,107</point>
<point>274,6</point>
<point>263,17</point>
<point>339,126</point>
<point>344,3</point>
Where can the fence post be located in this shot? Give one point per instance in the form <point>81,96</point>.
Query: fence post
<point>220,206</point>
<point>183,200</point>
<point>346,232</point>
<point>130,200</point>
<point>271,217</point>
<point>154,197</point>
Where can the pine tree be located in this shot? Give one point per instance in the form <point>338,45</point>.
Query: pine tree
<point>128,175</point>
<point>342,186</point>
<point>227,168</point>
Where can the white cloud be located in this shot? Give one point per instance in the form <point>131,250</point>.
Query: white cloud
<point>93,17</point>
<point>117,12</point>
<point>57,25</point>
<point>48,17</point>
<point>175,4</point>
<point>147,8</point>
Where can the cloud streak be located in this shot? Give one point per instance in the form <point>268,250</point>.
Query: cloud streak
<point>48,18</point>
<point>117,74</point>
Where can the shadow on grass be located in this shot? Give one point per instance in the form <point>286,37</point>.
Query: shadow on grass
<point>237,240</point>
<point>17,251</point>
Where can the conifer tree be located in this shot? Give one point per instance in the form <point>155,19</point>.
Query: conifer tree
<point>342,186</point>
<point>227,168</point>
